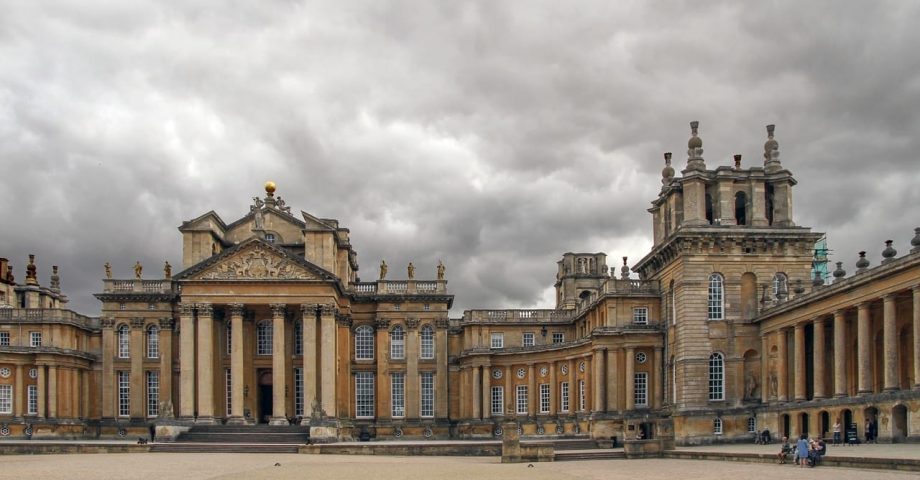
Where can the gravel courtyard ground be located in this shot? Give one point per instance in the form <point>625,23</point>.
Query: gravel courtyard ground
<point>193,466</point>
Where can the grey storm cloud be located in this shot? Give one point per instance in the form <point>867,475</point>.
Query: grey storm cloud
<point>494,136</point>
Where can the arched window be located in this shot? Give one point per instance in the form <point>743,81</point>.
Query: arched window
<point>124,341</point>
<point>752,424</point>
<point>717,426</point>
<point>715,296</point>
<point>780,284</point>
<point>397,343</point>
<point>716,376</point>
<point>153,342</point>
<point>741,208</point>
<point>427,340</point>
<point>264,338</point>
<point>364,343</point>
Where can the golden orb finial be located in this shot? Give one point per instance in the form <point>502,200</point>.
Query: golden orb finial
<point>270,188</point>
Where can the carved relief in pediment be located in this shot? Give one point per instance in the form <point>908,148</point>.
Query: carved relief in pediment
<point>257,263</point>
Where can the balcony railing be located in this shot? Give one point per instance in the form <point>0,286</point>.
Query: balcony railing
<point>137,286</point>
<point>49,315</point>
<point>632,286</point>
<point>400,287</point>
<point>514,315</point>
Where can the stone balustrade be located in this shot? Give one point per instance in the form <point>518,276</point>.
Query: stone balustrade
<point>514,315</point>
<point>137,286</point>
<point>47,315</point>
<point>400,287</point>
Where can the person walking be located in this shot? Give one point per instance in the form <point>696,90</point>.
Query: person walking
<point>801,451</point>
<point>837,431</point>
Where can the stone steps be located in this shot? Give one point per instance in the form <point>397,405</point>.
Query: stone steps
<point>596,454</point>
<point>246,434</point>
<point>222,448</point>
<point>574,444</point>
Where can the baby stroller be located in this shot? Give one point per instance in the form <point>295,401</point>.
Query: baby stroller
<point>764,437</point>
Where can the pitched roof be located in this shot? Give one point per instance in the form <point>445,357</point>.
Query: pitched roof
<point>320,272</point>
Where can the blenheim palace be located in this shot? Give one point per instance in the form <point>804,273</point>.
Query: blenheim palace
<point>725,328</point>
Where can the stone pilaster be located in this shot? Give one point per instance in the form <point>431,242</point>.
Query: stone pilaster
<point>327,351</point>
<point>654,381</point>
<point>308,317</point>
<point>553,388</point>
<point>108,370</point>
<point>613,383</point>
<point>840,359</point>
<point>166,364</point>
<point>798,353</point>
<point>279,370</point>
<point>916,325</point>
<point>819,377</point>
<point>486,392</point>
<point>440,377</point>
<point>764,369</point>
<point>412,380</point>
<point>533,394</point>
<point>52,391</point>
<point>782,374</point>
<point>186,361</point>
<point>42,382</point>
<point>205,364</point>
<point>600,380</point>
<point>19,396</point>
<point>137,368</point>
<point>237,407</point>
<point>630,378</point>
<point>510,394</point>
<point>476,397</point>
<point>890,335</point>
<point>863,352</point>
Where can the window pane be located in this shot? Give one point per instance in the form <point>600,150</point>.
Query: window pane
<point>427,337</point>
<point>364,394</point>
<point>398,394</point>
<point>364,343</point>
<point>397,343</point>
<point>522,403</point>
<point>498,400</point>
<point>153,393</point>
<point>427,405</point>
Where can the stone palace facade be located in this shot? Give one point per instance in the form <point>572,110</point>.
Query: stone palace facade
<point>718,332</point>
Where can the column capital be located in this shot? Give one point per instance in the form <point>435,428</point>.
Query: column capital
<point>916,289</point>
<point>278,309</point>
<point>186,308</point>
<point>167,323</point>
<point>382,323</point>
<point>800,325</point>
<point>137,323</point>
<point>343,320</point>
<point>441,323</point>
<point>205,309</point>
<point>819,320</point>
<point>864,305</point>
<point>840,312</point>
<point>237,309</point>
<point>889,297</point>
<point>107,322</point>
<point>308,308</point>
<point>412,323</point>
<point>327,309</point>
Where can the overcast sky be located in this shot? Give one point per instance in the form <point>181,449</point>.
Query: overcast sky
<point>493,135</point>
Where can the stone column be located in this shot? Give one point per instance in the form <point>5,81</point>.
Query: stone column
<point>477,394</point>
<point>655,381</point>
<point>166,362</point>
<point>510,394</point>
<point>553,389</point>
<point>890,334</point>
<point>52,391</point>
<point>19,396</point>
<point>798,353</point>
<point>43,391</point>
<point>308,317</point>
<point>137,369</point>
<point>820,381</point>
<point>863,352</point>
<point>236,365</point>
<point>442,405</point>
<point>573,386</point>
<point>327,350</point>
<point>613,386</point>
<point>186,362</point>
<point>916,321</point>
<point>533,393</point>
<point>205,364</point>
<point>764,369</point>
<point>782,374</point>
<point>87,411</point>
<point>279,366</point>
<point>630,378</point>
<point>412,381</point>
<point>840,359</point>
<point>600,380</point>
<point>486,392</point>
<point>108,371</point>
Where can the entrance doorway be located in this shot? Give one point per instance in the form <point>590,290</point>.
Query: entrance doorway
<point>265,394</point>
<point>899,424</point>
<point>803,424</point>
<point>786,426</point>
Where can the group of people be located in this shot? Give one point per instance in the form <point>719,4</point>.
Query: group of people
<point>805,452</point>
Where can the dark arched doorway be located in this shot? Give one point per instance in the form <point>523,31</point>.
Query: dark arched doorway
<point>265,394</point>
<point>899,424</point>
<point>787,426</point>
<point>803,423</point>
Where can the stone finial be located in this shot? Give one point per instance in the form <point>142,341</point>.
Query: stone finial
<point>771,152</point>
<point>667,173</point>
<point>737,161</point>
<point>839,273</point>
<point>9,274</point>
<point>915,242</point>
<point>799,287</point>
<point>765,297</point>
<point>31,271</point>
<point>624,270</point>
<point>55,279</point>
<point>889,252</point>
<point>695,148</point>
<point>862,264</point>
<point>818,281</point>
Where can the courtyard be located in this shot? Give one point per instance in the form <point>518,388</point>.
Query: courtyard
<point>259,466</point>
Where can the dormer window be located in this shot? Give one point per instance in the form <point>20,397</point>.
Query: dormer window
<point>270,237</point>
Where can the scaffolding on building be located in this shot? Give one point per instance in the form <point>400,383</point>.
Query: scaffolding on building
<point>819,260</point>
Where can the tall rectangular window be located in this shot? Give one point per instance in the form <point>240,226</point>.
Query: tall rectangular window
<point>264,333</point>
<point>522,400</point>
<point>32,400</point>
<point>4,339</point>
<point>124,394</point>
<point>544,398</point>
<point>498,400</point>
<point>498,340</point>
<point>298,338</point>
<point>298,392</point>
<point>527,341</point>
<point>153,393</point>
<point>228,390</point>
<point>558,337</point>
<point>398,394</point>
<point>640,389</point>
<point>123,335</point>
<point>426,335</point>
<point>6,399</point>
<point>364,394</point>
<point>640,315</point>
<point>35,339</point>
<point>153,342</point>
<point>564,396</point>
<point>581,395</point>
<point>229,339</point>
<point>427,395</point>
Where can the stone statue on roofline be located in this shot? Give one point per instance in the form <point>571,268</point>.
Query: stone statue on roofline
<point>383,269</point>
<point>108,270</point>
<point>138,270</point>
<point>441,269</point>
<point>411,271</point>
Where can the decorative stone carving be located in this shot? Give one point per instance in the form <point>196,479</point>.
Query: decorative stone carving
<point>327,309</point>
<point>106,322</point>
<point>863,263</point>
<point>186,308</point>
<point>915,242</point>
<point>278,309</point>
<point>137,323</point>
<point>138,270</point>
<point>167,270</point>
<point>108,270</point>
<point>237,309</point>
<point>167,323</point>
<point>889,252</point>
<point>442,268</point>
<point>383,324</point>
<point>205,309</point>
<point>441,323</point>
<point>839,273</point>
<point>383,269</point>
<point>410,270</point>
<point>259,263</point>
<point>343,320</point>
<point>412,323</point>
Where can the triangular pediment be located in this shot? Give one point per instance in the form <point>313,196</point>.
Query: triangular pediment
<point>255,260</point>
